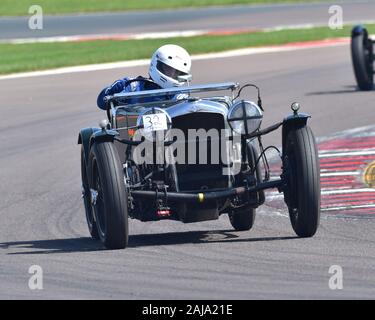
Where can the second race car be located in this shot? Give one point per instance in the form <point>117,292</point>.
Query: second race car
<point>362,50</point>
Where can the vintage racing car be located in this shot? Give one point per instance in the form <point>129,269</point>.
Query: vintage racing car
<point>362,49</point>
<point>118,183</point>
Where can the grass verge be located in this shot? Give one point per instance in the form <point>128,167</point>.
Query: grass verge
<point>40,56</point>
<point>21,7</point>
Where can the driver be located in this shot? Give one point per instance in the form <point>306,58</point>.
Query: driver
<point>168,63</point>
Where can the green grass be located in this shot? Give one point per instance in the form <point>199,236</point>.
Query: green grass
<point>39,56</point>
<point>21,7</point>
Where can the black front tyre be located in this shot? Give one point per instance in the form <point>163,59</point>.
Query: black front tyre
<point>302,173</point>
<point>109,195</point>
<point>362,57</point>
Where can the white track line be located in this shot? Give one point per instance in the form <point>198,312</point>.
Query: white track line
<point>340,173</point>
<point>349,132</point>
<point>330,173</point>
<point>349,207</point>
<point>119,37</point>
<point>275,194</point>
<point>346,191</point>
<point>347,154</point>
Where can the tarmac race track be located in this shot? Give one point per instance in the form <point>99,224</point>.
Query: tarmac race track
<point>42,216</point>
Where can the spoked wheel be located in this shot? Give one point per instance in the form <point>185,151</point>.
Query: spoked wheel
<point>87,199</point>
<point>302,173</point>
<point>242,219</point>
<point>363,60</point>
<point>108,195</point>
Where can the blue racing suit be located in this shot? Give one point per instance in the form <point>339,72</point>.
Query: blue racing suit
<point>129,85</point>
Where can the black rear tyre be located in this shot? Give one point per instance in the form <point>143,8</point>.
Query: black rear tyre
<point>302,194</point>
<point>362,57</point>
<point>242,219</point>
<point>107,182</point>
<point>87,199</point>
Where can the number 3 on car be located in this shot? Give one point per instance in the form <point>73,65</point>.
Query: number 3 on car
<point>155,122</point>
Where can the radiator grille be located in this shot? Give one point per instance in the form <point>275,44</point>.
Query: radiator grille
<point>200,176</point>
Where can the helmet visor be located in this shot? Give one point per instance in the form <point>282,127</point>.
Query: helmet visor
<point>169,71</point>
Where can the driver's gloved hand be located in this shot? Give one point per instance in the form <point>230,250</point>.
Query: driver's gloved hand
<point>116,87</point>
<point>180,96</point>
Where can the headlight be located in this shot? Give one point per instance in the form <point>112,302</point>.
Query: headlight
<point>245,117</point>
<point>154,123</point>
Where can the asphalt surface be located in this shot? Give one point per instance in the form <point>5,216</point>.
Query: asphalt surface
<point>217,18</point>
<point>42,216</point>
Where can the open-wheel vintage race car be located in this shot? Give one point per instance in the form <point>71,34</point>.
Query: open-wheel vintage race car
<point>158,160</point>
<point>362,49</point>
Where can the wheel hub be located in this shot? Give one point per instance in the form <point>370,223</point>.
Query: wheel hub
<point>94,196</point>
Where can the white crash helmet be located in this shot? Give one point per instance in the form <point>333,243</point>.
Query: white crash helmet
<point>167,64</point>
